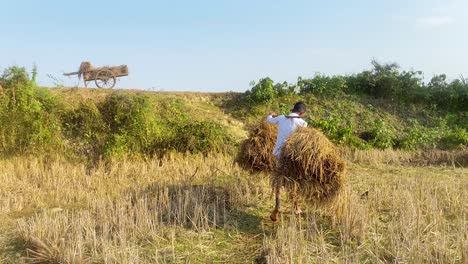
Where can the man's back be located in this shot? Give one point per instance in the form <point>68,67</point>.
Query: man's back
<point>286,125</point>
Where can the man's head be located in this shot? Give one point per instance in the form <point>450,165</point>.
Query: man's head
<point>299,108</point>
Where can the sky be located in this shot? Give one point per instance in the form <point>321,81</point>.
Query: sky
<point>215,46</point>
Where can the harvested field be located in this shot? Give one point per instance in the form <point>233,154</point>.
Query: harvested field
<point>196,209</point>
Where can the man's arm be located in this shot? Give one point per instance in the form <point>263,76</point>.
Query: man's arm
<point>303,123</point>
<point>272,118</point>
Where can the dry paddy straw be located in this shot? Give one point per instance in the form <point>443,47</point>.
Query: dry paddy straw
<point>257,151</point>
<point>310,165</point>
<point>195,209</point>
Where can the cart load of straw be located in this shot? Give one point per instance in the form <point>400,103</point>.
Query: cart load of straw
<point>257,151</point>
<point>85,67</point>
<point>311,167</point>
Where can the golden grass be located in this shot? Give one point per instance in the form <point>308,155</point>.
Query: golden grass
<point>196,209</point>
<point>388,215</point>
<point>456,158</point>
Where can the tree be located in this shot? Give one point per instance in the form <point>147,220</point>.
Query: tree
<point>262,92</point>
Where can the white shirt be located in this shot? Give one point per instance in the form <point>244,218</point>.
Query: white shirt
<point>285,127</point>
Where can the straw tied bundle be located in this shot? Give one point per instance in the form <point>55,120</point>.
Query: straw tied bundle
<point>256,151</point>
<point>311,167</point>
<point>85,66</point>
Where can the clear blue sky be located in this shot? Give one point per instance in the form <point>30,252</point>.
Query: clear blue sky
<point>215,45</point>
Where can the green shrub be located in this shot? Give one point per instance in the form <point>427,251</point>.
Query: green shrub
<point>203,137</point>
<point>284,89</point>
<point>322,84</point>
<point>29,120</point>
<point>172,111</point>
<point>131,124</point>
<point>383,137</point>
<point>419,138</point>
<point>457,138</point>
<point>334,128</point>
<point>128,125</point>
<point>85,129</point>
<point>263,92</point>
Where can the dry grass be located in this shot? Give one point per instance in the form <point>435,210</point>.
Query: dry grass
<point>195,209</point>
<point>124,212</point>
<point>456,158</point>
<point>389,215</point>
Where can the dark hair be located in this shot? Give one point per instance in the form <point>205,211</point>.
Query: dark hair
<point>299,107</point>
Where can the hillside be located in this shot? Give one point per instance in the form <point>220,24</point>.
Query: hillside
<point>349,120</point>
<point>199,106</point>
<point>384,108</point>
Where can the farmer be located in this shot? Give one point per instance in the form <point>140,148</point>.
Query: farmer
<point>286,125</point>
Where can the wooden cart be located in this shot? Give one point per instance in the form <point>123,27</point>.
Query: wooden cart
<point>104,77</point>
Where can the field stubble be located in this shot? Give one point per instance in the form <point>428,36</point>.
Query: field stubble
<point>204,209</point>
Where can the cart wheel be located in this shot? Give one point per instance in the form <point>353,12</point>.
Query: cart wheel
<point>105,79</point>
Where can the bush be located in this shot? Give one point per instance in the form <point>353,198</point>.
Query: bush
<point>322,84</point>
<point>263,92</point>
<point>202,137</point>
<point>449,96</point>
<point>419,138</point>
<point>126,125</point>
<point>336,130</point>
<point>131,124</point>
<point>86,130</point>
<point>29,120</point>
<point>457,138</point>
<point>382,136</point>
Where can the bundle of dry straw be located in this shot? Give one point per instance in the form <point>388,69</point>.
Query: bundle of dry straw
<point>257,151</point>
<point>85,66</point>
<point>311,167</point>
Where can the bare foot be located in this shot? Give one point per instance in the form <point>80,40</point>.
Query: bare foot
<point>274,215</point>
<point>298,212</point>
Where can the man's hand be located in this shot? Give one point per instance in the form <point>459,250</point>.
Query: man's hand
<point>273,114</point>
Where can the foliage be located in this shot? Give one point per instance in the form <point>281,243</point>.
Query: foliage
<point>85,129</point>
<point>457,138</point>
<point>122,125</point>
<point>419,137</point>
<point>451,96</point>
<point>202,137</point>
<point>391,90</point>
<point>382,136</point>
<point>322,84</point>
<point>28,115</point>
<point>131,124</point>
<point>338,132</point>
<point>262,92</point>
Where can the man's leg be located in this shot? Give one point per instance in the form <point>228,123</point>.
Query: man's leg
<point>274,214</point>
